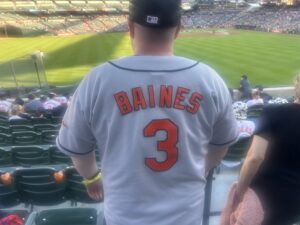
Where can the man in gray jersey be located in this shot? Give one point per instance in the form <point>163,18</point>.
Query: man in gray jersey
<point>159,121</point>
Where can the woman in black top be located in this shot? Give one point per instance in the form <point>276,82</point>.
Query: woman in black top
<point>272,166</point>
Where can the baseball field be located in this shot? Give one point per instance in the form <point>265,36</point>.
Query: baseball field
<point>267,58</point>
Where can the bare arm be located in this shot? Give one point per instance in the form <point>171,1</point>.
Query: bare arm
<point>254,159</point>
<point>87,167</point>
<point>214,156</point>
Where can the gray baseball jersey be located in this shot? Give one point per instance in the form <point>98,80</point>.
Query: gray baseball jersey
<point>152,119</point>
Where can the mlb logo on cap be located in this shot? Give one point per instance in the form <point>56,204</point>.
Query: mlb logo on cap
<point>152,19</point>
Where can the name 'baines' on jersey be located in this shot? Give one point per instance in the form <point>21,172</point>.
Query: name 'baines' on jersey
<point>146,99</point>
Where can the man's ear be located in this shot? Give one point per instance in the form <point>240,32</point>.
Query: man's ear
<point>178,28</point>
<point>131,28</point>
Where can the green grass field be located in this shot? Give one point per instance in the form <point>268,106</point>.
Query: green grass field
<point>271,59</point>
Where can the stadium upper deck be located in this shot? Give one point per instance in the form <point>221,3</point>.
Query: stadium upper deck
<point>67,5</point>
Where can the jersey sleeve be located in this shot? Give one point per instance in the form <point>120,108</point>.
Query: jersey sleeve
<point>75,136</point>
<point>225,129</point>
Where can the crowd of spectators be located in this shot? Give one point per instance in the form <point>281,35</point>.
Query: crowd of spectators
<point>32,106</point>
<point>271,19</point>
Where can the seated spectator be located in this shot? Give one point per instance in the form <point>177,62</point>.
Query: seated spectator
<point>265,96</point>
<point>19,101</point>
<point>256,99</point>
<point>4,104</point>
<point>33,105</point>
<point>61,99</point>
<point>51,103</point>
<point>245,88</point>
<point>271,167</point>
<point>15,113</point>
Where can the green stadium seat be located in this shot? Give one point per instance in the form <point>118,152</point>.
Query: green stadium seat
<point>5,130</point>
<point>37,186</point>
<point>5,139</point>
<point>255,111</point>
<point>17,128</point>
<point>40,121</point>
<point>4,115</point>
<point>75,189</point>
<point>9,195</point>
<point>25,138</point>
<point>29,155</point>
<point>5,157</point>
<point>4,122</point>
<point>49,136</point>
<point>41,127</point>
<point>66,216</point>
<point>236,153</point>
<point>58,157</point>
<point>56,119</point>
<point>20,122</point>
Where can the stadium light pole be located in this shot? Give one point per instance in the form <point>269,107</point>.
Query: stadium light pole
<point>34,58</point>
<point>11,63</point>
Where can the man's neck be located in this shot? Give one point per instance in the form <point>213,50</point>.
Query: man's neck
<point>154,50</point>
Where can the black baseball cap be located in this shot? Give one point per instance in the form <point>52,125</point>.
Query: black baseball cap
<point>155,13</point>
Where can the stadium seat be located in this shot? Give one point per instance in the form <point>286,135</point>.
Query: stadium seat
<point>236,153</point>
<point>75,189</point>
<point>49,136</point>
<point>20,122</point>
<point>3,122</point>
<point>5,139</point>
<point>25,138</point>
<point>36,121</point>
<point>5,157</point>
<point>7,5</point>
<point>22,213</point>
<point>41,127</point>
<point>38,186</point>
<point>58,157</point>
<point>66,216</point>
<point>29,155</point>
<point>17,128</point>
<point>255,111</point>
<point>5,130</point>
<point>9,195</point>
<point>4,115</point>
<point>56,119</point>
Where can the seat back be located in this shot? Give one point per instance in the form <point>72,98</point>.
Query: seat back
<point>4,122</point>
<point>58,157</point>
<point>5,130</point>
<point>25,138</point>
<point>49,136</point>
<point>38,186</point>
<point>37,120</point>
<point>255,111</point>
<point>5,157</point>
<point>17,128</point>
<point>239,150</point>
<point>20,122</point>
<point>41,127</point>
<point>71,216</point>
<point>5,139</point>
<point>9,195</point>
<point>30,155</point>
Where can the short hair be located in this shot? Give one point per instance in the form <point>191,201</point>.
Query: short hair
<point>51,95</point>
<point>155,35</point>
<point>245,77</point>
<point>31,96</point>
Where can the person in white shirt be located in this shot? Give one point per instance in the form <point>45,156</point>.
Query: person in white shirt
<point>51,103</point>
<point>256,99</point>
<point>4,104</point>
<point>14,113</point>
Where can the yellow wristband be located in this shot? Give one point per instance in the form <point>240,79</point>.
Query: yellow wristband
<point>95,179</point>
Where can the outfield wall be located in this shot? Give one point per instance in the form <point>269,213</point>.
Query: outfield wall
<point>283,92</point>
